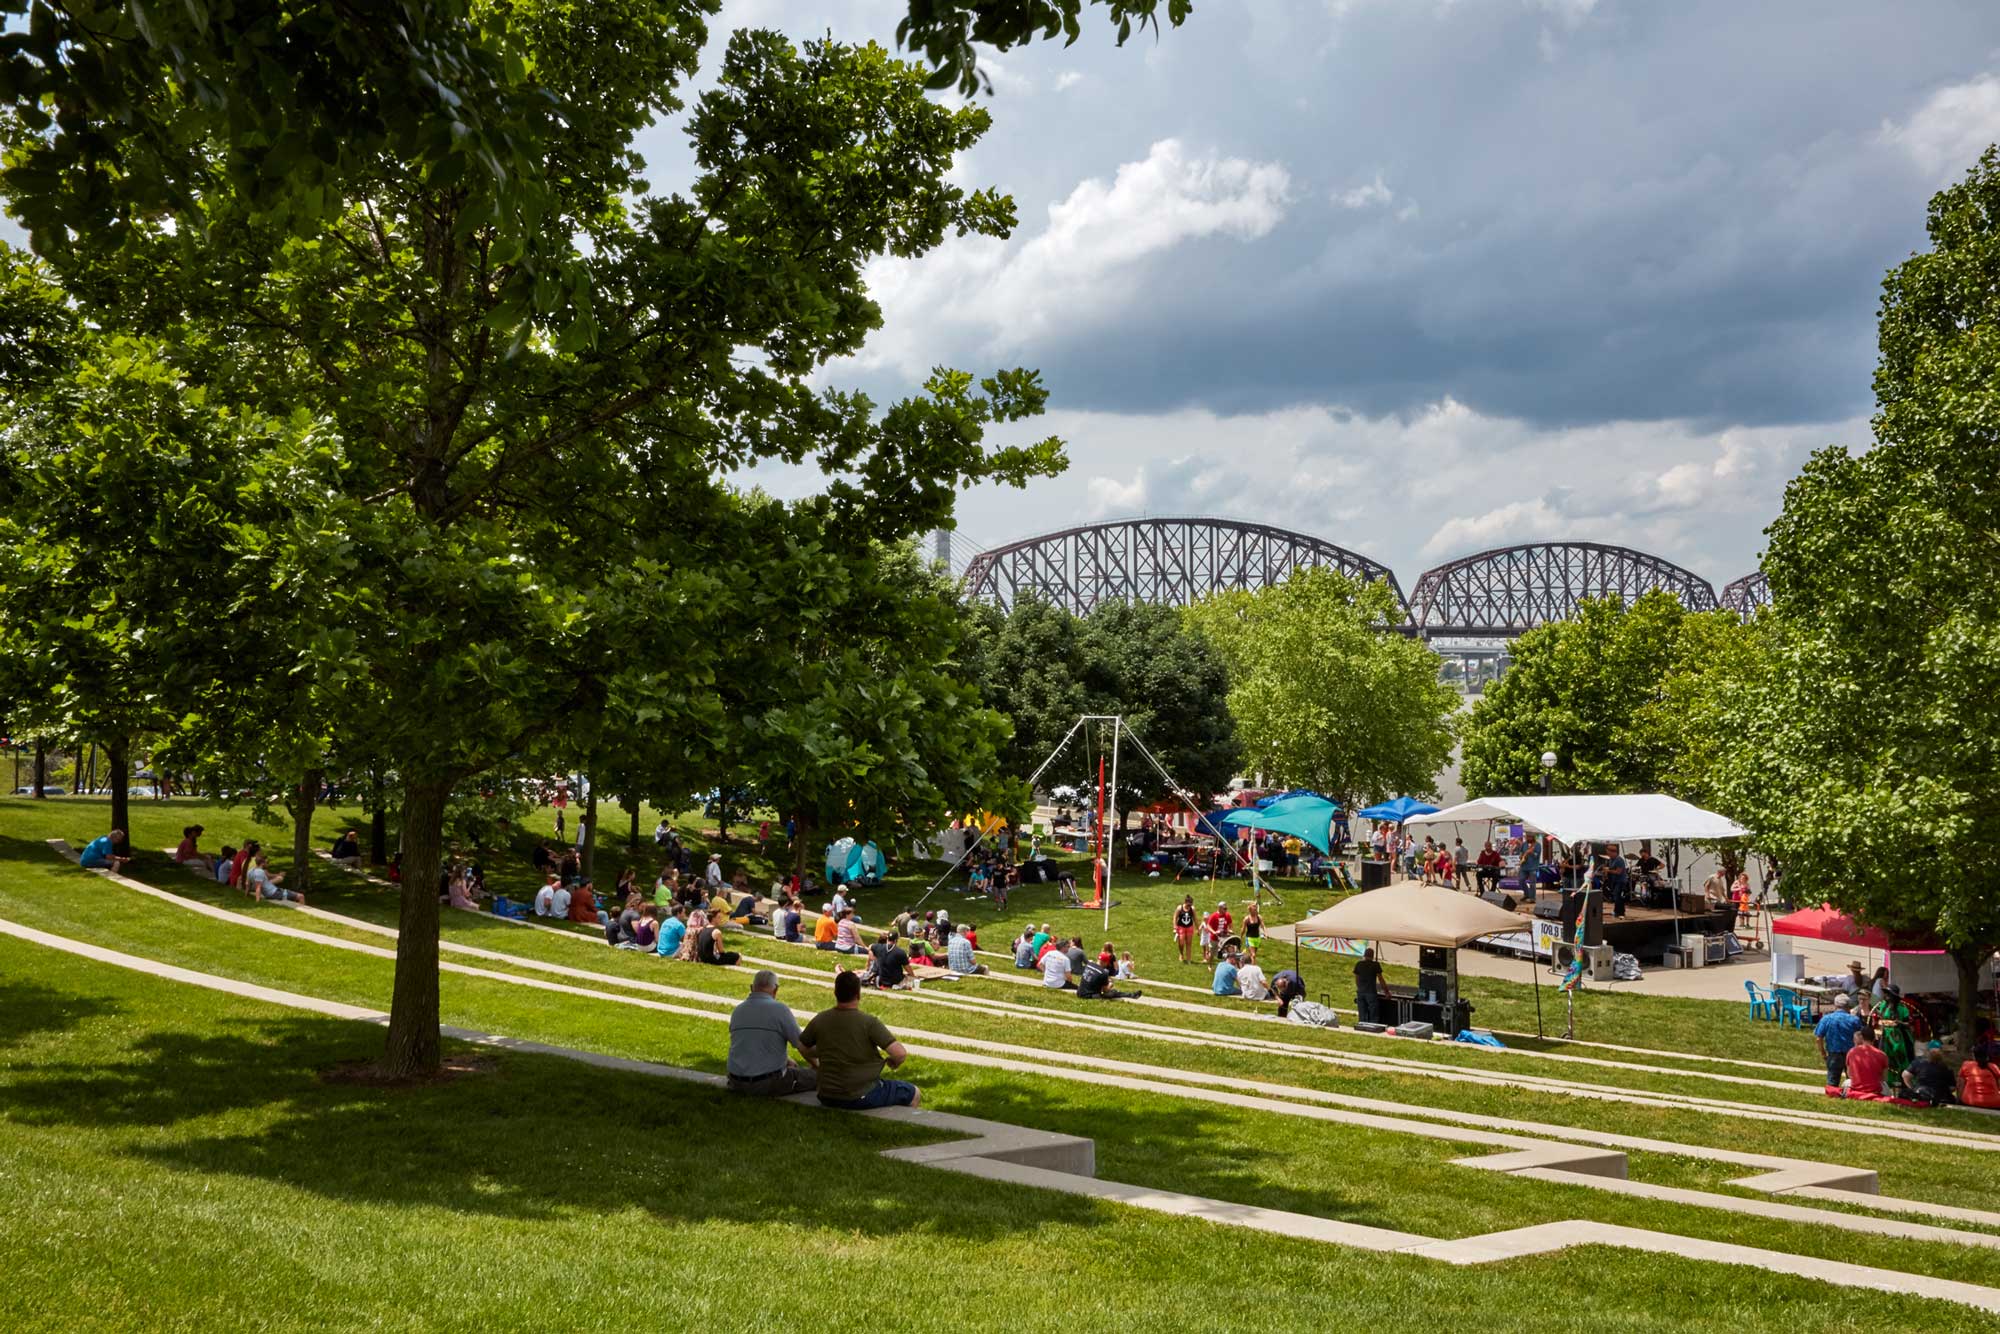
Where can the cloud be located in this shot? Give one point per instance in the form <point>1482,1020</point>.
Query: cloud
<point>1951,129</point>
<point>1372,194</point>
<point>995,295</point>
<point>1068,79</point>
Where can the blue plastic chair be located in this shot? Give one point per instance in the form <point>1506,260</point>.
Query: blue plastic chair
<point>1793,1011</point>
<point>1761,1006</point>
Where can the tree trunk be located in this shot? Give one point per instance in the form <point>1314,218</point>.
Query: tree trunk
<point>121,802</point>
<point>378,825</point>
<point>302,830</point>
<point>41,769</point>
<point>799,841</point>
<point>722,815</point>
<point>414,1048</point>
<point>632,839</point>
<point>589,856</point>
<point>1968,961</point>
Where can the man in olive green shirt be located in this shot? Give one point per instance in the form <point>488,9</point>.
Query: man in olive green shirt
<point>848,1047</point>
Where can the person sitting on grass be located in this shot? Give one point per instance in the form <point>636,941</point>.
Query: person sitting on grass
<point>239,865</point>
<point>826,928</point>
<point>264,886</point>
<point>891,965</point>
<point>583,905</point>
<point>709,948</point>
<point>645,930</point>
<point>1024,948</point>
<point>106,852</point>
<point>1077,958</point>
<point>1125,969</point>
<point>1095,982</point>
<point>545,898</point>
<point>1866,1066</point>
<point>1978,1084</point>
<point>1250,978</point>
<point>461,893</point>
<point>849,1048</point>
<point>1040,941</point>
<point>1226,974</point>
<point>617,930</point>
<point>1286,989</point>
<point>785,920</point>
<point>346,850</point>
<point>192,857</point>
<point>544,860</point>
<point>958,954</point>
<point>220,872</point>
<point>673,933</point>
<point>1055,968</point>
<point>846,934</point>
<point>762,1036</point>
<point>1929,1079</point>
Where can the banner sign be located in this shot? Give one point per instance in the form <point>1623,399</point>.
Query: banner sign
<point>1334,945</point>
<point>1541,939</point>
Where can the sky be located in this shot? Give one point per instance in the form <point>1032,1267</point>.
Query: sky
<point>1422,277</point>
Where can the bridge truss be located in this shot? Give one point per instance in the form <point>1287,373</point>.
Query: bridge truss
<point>1503,592</point>
<point>1175,561</point>
<point>1746,595</point>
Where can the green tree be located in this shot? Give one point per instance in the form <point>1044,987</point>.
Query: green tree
<point>1031,666</point>
<point>1578,688</point>
<point>1871,764</point>
<point>1325,694</point>
<point>1144,661</point>
<point>522,495</point>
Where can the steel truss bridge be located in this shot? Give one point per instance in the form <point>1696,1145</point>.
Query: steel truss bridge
<point>1488,597</point>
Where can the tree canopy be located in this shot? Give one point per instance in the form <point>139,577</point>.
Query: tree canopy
<point>1325,694</point>
<point>1871,748</point>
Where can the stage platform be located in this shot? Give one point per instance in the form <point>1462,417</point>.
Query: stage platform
<point>1648,933</point>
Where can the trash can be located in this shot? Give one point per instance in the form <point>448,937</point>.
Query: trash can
<point>1374,874</point>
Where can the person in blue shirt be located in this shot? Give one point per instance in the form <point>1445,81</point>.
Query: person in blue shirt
<point>672,932</point>
<point>1225,975</point>
<point>1835,1035</point>
<point>106,852</point>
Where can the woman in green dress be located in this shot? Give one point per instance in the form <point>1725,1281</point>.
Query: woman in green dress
<point>1892,1021</point>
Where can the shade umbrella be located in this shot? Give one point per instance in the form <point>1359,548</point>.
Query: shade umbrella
<point>1397,810</point>
<point>1265,803</point>
<point>1308,818</point>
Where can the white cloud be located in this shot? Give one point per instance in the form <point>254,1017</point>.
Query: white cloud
<point>1074,271</point>
<point>1068,79</point>
<point>1951,129</point>
<point>1372,194</point>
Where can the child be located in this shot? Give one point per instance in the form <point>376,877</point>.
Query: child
<point>1125,973</point>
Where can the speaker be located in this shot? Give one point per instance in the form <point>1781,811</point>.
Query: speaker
<point>1548,909</point>
<point>1499,899</point>
<point>1414,1030</point>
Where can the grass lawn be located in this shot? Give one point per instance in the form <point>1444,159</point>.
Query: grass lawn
<point>148,1129</point>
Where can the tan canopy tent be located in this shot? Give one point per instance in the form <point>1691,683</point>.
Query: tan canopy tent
<point>1434,915</point>
<point>1406,915</point>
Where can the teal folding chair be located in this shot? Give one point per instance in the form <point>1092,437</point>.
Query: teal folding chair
<point>1793,1010</point>
<point>1762,1004</point>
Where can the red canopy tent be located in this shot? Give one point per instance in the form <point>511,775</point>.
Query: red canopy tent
<point>1823,923</point>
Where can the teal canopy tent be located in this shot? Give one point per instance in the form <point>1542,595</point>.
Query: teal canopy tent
<point>851,863</point>
<point>1308,818</point>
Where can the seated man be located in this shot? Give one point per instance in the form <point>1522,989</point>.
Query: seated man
<point>264,887</point>
<point>1096,983</point>
<point>892,962</point>
<point>1226,973</point>
<point>958,954</point>
<point>709,947</point>
<point>672,932</point>
<point>1024,950</point>
<point>848,1047</point>
<point>106,852</point>
<point>1056,969</point>
<point>785,921</point>
<point>347,850</point>
<point>1250,979</point>
<point>545,897</point>
<point>1866,1066</point>
<point>825,928</point>
<point>1930,1079</point>
<point>745,913</point>
<point>762,1036</point>
<point>1488,864</point>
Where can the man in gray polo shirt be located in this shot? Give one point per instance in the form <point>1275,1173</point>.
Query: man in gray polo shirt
<point>762,1036</point>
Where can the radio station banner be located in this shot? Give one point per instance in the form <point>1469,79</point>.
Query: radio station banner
<point>1542,939</point>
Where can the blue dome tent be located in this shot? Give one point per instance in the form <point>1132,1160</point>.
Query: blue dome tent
<point>851,863</point>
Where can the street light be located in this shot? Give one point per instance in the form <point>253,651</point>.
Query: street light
<point>1548,768</point>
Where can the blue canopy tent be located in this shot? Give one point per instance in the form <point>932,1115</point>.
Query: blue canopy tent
<point>1397,810</point>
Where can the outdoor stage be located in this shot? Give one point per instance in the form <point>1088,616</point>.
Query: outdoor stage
<point>1644,933</point>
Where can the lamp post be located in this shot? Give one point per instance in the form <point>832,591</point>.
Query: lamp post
<point>1548,768</point>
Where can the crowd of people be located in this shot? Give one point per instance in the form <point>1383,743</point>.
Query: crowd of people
<point>1875,1045</point>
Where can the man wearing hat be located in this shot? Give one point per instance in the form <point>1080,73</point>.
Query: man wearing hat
<point>715,870</point>
<point>1835,1035</point>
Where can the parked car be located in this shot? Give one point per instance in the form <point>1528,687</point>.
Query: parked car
<point>48,790</point>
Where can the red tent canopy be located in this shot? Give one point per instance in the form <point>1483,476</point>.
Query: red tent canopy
<point>1824,923</point>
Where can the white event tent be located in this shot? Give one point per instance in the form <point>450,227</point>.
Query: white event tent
<point>1598,819</point>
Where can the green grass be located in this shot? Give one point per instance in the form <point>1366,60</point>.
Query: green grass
<point>153,1136</point>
